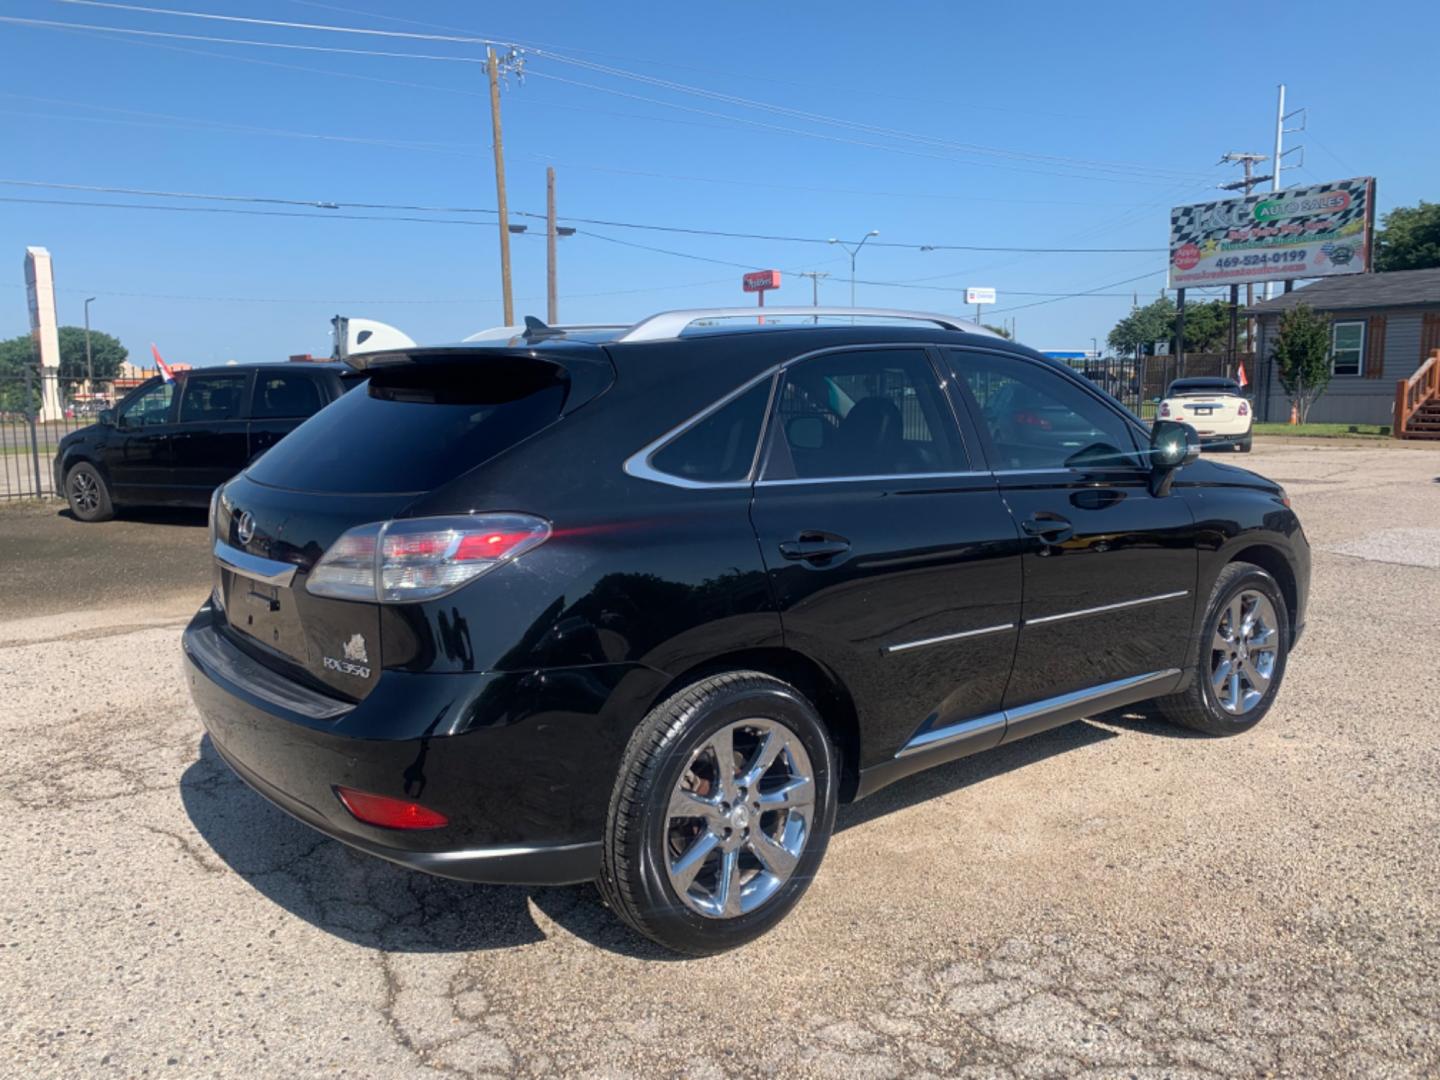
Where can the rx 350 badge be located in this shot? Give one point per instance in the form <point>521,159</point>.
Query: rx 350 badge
<point>356,661</point>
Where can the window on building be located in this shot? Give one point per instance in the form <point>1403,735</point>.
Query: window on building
<point>1347,348</point>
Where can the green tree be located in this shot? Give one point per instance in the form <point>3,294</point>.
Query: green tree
<point>1140,331</point>
<point>1409,238</point>
<point>107,354</point>
<point>1207,326</point>
<point>1302,357</point>
<point>17,354</point>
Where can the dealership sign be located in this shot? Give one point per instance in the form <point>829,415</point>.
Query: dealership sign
<point>1304,232</point>
<point>975,295</point>
<point>760,280</point>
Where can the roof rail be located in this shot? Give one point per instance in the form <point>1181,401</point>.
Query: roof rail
<point>670,324</point>
<point>502,333</point>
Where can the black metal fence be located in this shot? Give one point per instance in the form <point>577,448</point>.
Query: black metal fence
<point>1140,383</point>
<point>37,410</point>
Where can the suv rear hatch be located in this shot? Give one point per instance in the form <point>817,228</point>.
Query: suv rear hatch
<point>423,419</point>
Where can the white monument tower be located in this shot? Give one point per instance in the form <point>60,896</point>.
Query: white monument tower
<point>40,291</point>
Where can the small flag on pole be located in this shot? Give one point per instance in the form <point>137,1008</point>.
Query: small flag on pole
<point>166,373</point>
<point>1244,382</point>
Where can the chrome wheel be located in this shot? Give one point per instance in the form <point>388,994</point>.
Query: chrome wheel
<point>1243,651</point>
<point>84,491</point>
<point>739,818</point>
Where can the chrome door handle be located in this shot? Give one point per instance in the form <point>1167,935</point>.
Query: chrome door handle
<point>814,547</point>
<point>1048,528</point>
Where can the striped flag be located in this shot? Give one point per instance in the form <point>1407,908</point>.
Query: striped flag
<point>165,372</point>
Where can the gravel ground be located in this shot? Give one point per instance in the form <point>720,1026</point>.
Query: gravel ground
<point>1113,898</point>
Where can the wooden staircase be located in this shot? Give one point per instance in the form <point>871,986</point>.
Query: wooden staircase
<point>1417,402</point>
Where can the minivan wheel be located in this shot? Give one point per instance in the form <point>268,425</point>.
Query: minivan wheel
<point>87,494</point>
<point>721,813</point>
<point>1240,657</point>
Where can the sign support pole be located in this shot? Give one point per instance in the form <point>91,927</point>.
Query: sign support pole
<point>1180,329</point>
<point>1234,323</point>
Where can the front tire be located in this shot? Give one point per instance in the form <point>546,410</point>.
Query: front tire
<point>88,494</point>
<point>1240,658</point>
<point>721,813</point>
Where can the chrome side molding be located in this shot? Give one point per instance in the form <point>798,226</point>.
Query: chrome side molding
<point>1107,607</point>
<point>947,637</point>
<point>1029,715</point>
<point>265,571</point>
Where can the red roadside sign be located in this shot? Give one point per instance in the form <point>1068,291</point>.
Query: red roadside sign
<point>760,280</point>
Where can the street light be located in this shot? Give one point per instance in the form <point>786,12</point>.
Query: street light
<point>853,252</point>
<point>89,366</point>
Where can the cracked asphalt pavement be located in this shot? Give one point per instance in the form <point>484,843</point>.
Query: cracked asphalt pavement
<point>1115,898</point>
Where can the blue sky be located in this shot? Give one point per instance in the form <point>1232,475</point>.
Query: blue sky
<point>1037,125</point>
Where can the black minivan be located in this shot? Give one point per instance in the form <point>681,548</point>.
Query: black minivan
<point>172,443</point>
<point>642,605</point>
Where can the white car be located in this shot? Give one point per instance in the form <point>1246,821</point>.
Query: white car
<point>1216,408</point>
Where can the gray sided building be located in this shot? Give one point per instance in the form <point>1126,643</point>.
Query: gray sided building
<point>1382,327</point>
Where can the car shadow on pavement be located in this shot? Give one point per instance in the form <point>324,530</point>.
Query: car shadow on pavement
<point>373,903</point>
<point>370,902</point>
<point>943,779</point>
<point>184,516</point>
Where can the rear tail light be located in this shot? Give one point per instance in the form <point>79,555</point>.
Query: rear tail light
<point>1164,409</point>
<point>417,559</point>
<point>390,813</point>
<point>1244,409</point>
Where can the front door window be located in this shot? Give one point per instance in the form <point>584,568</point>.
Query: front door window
<point>150,406</point>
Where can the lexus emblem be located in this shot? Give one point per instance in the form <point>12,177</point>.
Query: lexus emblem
<point>245,528</point>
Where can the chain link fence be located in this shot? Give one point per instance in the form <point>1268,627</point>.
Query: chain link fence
<point>37,410</point>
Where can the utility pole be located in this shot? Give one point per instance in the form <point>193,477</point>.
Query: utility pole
<point>815,276</point>
<point>512,62</point>
<point>552,300</point>
<point>1281,116</point>
<point>1246,185</point>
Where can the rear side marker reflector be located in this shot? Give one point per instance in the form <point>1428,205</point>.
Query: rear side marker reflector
<point>390,813</point>
<point>416,559</point>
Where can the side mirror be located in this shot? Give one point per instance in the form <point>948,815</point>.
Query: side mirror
<point>106,417</point>
<point>1173,445</point>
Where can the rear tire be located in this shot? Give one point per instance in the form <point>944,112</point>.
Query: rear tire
<point>1243,446</point>
<point>703,854</point>
<point>88,494</point>
<point>1240,658</point>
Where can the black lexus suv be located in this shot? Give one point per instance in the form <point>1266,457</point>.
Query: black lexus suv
<point>171,443</point>
<point>642,605</point>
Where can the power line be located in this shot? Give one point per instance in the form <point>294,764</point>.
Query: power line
<point>1126,168</point>
<point>336,204</point>
<point>327,216</point>
<point>668,84</point>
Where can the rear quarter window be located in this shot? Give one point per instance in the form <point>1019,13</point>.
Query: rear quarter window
<point>415,428</point>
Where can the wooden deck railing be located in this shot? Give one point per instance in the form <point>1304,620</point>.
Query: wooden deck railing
<point>1415,391</point>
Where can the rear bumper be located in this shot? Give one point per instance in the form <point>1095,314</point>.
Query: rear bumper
<point>521,764</point>
<point>535,864</point>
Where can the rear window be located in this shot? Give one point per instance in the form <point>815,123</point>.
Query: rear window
<point>1203,386</point>
<point>414,428</point>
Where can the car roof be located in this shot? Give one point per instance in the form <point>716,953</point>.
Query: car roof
<point>334,366</point>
